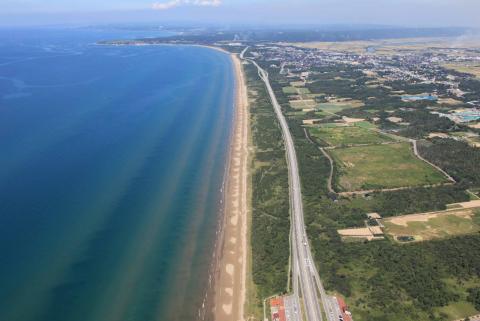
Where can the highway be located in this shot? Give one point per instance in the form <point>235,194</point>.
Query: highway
<point>306,280</point>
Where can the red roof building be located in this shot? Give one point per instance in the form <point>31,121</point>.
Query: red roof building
<point>277,308</point>
<point>347,316</point>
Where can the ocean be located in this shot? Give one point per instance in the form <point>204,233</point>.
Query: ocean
<point>112,161</point>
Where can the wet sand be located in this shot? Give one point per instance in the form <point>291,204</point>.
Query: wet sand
<point>230,276</point>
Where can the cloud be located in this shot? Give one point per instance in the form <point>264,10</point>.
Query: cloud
<point>166,5</point>
<point>176,3</point>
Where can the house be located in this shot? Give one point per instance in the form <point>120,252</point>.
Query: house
<point>347,316</point>
<point>374,216</point>
<point>277,308</point>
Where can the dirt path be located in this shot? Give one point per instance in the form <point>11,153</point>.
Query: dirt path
<point>230,278</point>
<point>363,192</point>
<point>330,177</point>
<point>415,151</point>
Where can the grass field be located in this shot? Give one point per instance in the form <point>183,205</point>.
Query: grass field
<point>382,166</point>
<point>435,225</point>
<point>352,135</point>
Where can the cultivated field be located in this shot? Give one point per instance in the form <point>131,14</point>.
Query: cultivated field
<point>449,101</point>
<point>429,226</point>
<point>297,84</point>
<point>393,46</point>
<point>466,67</point>
<point>303,91</point>
<point>302,97</point>
<point>365,124</point>
<point>303,104</point>
<point>351,135</point>
<point>290,90</point>
<point>296,90</point>
<point>382,166</point>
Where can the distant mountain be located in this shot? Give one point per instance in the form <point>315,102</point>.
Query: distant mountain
<point>327,33</point>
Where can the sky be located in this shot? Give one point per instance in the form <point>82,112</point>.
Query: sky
<point>415,13</point>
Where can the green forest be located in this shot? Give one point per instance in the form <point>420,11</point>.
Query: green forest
<point>458,158</point>
<point>270,202</point>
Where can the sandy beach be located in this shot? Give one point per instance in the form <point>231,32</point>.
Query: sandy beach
<point>230,285</point>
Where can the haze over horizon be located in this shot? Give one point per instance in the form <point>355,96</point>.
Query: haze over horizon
<point>415,13</point>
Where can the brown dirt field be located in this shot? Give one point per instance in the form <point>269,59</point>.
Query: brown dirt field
<point>404,220</point>
<point>449,101</point>
<point>476,126</point>
<point>427,226</point>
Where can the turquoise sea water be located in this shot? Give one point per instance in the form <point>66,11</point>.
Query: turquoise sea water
<point>111,165</point>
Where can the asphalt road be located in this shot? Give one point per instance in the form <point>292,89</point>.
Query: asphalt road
<point>305,274</point>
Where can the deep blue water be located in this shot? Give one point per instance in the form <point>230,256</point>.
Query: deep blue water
<point>111,165</point>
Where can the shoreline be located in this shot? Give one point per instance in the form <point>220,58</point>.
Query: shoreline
<point>140,44</point>
<point>230,266</point>
<point>225,297</point>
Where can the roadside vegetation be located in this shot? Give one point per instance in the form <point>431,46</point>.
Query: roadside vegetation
<point>270,202</point>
